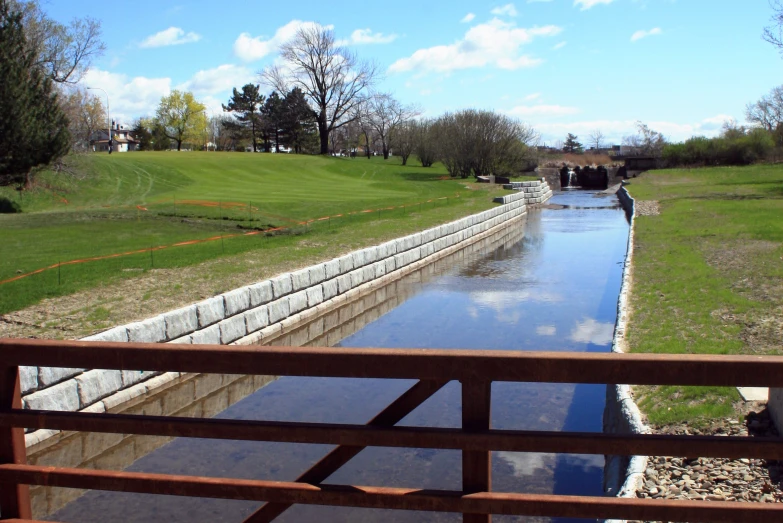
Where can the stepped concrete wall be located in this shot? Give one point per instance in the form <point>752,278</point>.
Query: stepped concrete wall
<point>532,192</point>
<point>251,313</point>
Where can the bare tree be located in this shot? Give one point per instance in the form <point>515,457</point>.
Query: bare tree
<point>384,115</point>
<point>331,77</point>
<point>596,139</point>
<point>64,53</point>
<point>646,141</point>
<point>403,136</point>
<point>774,33</point>
<point>86,115</point>
<point>767,113</point>
<point>425,142</point>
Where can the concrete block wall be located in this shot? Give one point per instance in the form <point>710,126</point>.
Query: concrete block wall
<point>262,309</point>
<point>532,192</point>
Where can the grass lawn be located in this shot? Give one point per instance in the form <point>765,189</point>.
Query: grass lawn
<point>708,277</point>
<point>145,201</point>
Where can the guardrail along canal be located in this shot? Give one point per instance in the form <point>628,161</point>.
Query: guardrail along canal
<point>549,282</point>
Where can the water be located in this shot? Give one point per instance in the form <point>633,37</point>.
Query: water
<point>550,284</point>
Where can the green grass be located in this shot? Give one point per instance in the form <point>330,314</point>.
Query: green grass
<point>141,201</point>
<point>707,276</point>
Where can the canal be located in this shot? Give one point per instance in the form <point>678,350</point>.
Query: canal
<point>549,283</point>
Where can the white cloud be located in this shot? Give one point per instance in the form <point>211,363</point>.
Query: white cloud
<point>217,80</point>
<point>170,36</point>
<point>467,18</point>
<point>250,48</point>
<point>128,97</point>
<point>494,43</point>
<point>587,4</point>
<point>546,330</point>
<point>531,97</point>
<point>559,45</point>
<point>638,35</point>
<point>366,36</point>
<point>591,331</point>
<point>542,110</point>
<point>505,10</point>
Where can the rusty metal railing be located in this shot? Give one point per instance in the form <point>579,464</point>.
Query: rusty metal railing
<point>476,370</point>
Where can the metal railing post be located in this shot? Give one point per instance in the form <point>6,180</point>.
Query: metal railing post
<point>14,497</point>
<point>476,465</point>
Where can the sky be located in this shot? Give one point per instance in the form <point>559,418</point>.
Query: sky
<point>680,66</point>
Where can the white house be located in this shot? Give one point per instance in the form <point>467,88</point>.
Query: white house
<point>121,136</point>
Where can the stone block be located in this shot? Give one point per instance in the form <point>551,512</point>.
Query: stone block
<point>210,311</point>
<point>231,329</point>
<point>379,269</point>
<point>368,273</point>
<point>297,302</point>
<point>357,277</point>
<point>370,255</point>
<point>282,285</point>
<point>346,264</point>
<point>48,376</point>
<point>301,279</point>
<point>344,283</point>
<point>317,273</point>
<point>152,330</point>
<point>119,334</point>
<point>256,319</point>
<point>381,252</point>
<point>399,245</point>
<point>261,293</point>
<point>332,269</point>
<point>390,265</point>
<point>96,384</point>
<point>279,310</point>
<point>28,377</point>
<point>237,301</point>
<point>184,340</point>
<point>329,289</point>
<point>400,260</point>
<point>123,396</point>
<point>132,377</point>
<point>315,296</point>
<point>180,322</point>
<point>391,248</point>
<point>208,336</point>
<point>358,259</point>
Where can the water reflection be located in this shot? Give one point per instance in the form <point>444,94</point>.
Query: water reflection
<point>551,284</point>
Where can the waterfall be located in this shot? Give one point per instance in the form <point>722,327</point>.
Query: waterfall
<point>571,178</point>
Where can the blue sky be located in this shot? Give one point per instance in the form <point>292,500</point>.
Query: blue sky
<point>682,66</point>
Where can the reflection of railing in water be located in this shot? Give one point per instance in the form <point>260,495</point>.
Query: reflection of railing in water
<point>193,396</point>
<point>330,328</point>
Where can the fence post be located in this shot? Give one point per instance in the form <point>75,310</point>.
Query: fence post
<point>14,498</point>
<point>476,465</point>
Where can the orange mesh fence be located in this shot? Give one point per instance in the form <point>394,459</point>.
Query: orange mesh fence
<point>212,238</point>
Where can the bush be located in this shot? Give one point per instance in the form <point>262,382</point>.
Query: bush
<point>743,149</point>
<point>9,207</point>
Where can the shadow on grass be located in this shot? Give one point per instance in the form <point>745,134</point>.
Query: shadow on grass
<point>9,207</point>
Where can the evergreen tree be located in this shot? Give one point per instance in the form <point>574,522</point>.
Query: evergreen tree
<point>571,144</point>
<point>273,116</point>
<point>33,127</point>
<point>299,121</point>
<point>142,133</point>
<point>246,105</point>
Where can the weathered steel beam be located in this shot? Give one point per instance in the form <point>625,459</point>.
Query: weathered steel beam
<point>14,497</point>
<point>476,464</point>
<point>427,364</point>
<point>396,498</point>
<point>379,435</point>
<point>329,464</point>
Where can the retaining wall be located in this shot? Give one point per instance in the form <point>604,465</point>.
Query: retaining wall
<point>250,314</point>
<point>532,192</point>
<point>623,475</point>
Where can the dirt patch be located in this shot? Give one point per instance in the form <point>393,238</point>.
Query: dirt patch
<point>647,208</point>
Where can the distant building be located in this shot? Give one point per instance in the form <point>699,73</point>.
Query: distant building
<point>121,137</point>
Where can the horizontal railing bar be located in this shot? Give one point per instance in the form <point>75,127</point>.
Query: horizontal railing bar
<point>429,364</point>
<point>395,498</point>
<point>413,437</point>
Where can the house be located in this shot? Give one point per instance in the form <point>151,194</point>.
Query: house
<point>121,137</point>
